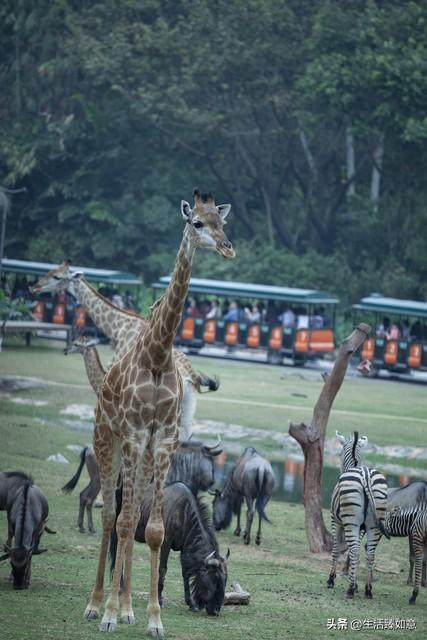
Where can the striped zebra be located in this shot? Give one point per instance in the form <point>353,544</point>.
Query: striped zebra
<point>412,522</point>
<point>358,505</point>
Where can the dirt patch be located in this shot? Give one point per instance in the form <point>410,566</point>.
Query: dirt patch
<point>20,383</point>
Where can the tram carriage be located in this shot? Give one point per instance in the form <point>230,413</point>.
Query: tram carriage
<point>401,354</point>
<point>271,338</point>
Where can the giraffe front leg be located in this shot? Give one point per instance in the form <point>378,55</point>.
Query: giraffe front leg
<point>107,450</point>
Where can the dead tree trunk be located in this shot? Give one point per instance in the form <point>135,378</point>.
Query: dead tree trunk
<point>312,440</point>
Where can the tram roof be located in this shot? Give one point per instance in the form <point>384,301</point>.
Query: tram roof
<point>258,291</point>
<point>95,275</point>
<point>379,303</point>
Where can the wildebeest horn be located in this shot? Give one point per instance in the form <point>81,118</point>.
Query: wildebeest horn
<point>211,561</point>
<point>4,557</point>
<point>46,528</point>
<point>214,446</point>
<point>227,555</point>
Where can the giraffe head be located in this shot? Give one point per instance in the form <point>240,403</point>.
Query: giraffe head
<point>57,280</point>
<point>205,224</point>
<point>80,345</point>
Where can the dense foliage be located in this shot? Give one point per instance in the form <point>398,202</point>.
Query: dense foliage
<point>309,116</point>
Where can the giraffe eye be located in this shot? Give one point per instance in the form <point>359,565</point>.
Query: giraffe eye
<point>198,224</point>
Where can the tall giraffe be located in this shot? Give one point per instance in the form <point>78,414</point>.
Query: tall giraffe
<point>137,418</point>
<point>122,328</point>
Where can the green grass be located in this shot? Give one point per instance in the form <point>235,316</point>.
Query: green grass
<point>289,598</point>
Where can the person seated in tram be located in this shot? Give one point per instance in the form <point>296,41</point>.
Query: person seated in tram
<point>252,314</point>
<point>383,327</point>
<point>393,333</point>
<point>317,320</point>
<point>233,313</point>
<point>302,319</point>
<point>214,312</point>
<point>287,318</point>
<point>192,309</point>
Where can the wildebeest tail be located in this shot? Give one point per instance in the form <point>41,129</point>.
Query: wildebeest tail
<point>367,486</point>
<point>262,498</point>
<point>67,488</point>
<point>112,548</point>
<point>201,380</point>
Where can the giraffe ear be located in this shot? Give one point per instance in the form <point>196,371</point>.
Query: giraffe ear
<point>186,210</point>
<point>77,274</point>
<point>224,210</point>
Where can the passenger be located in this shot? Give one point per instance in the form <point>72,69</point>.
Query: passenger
<point>117,300</point>
<point>288,318</point>
<point>317,320</point>
<point>416,331</point>
<point>383,328</point>
<point>192,309</point>
<point>233,313</point>
<point>302,319</point>
<point>405,330</point>
<point>252,315</point>
<point>393,333</point>
<point>214,312</point>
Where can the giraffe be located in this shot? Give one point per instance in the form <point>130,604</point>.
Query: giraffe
<point>136,422</point>
<point>122,328</point>
<point>94,369</point>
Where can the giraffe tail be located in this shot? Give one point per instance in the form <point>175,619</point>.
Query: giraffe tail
<point>67,488</point>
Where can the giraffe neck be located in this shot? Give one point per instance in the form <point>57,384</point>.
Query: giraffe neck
<point>94,369</point>
<point>166,316</point>
<point>107,317</point>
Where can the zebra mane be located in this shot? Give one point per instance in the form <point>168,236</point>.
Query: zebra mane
<point>355,441</point>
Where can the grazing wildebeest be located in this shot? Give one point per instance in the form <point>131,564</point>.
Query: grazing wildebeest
<point>27,512</point>
<point>412,522</point>
<point>193,464</point>
<point>188,529</point>
<point>252,479</point>
<point>410,495</point>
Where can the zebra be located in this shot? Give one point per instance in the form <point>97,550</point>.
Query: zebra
<point>412,522</point>
<point>358,503</point>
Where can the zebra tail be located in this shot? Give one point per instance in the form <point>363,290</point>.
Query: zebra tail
<point>67,488</point>
<point>367,485</point>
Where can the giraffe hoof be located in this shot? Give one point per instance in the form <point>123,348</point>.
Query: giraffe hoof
<point>108,627</point>
<point>90,613</point>
<point>156,632</point>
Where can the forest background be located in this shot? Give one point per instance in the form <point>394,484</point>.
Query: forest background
<point>309,116</point>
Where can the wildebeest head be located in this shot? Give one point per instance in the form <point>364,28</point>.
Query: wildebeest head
<point>20,560</point>
<point>222,510</point>
<point>193,464</point>
<point>208,584</point>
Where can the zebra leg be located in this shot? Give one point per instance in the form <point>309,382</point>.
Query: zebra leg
<point>336,535</point>
<point>373,536</point>
<point>410,579</point>
<point>418,547</point>
<point>352,537</point>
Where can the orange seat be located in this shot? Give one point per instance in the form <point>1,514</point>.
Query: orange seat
<point>38,311</point>
<point>368,350</point>
<point>59,313</point>
<point>415,355</point>
<point>302,341</point>
<point>231,334</point>
<point>321,340</point>
<point>276,338</point>
<point>188,329</point>
<point>80,318</point>
<point>390,352</point>
<point>254,336</point>
<point>209,333</point>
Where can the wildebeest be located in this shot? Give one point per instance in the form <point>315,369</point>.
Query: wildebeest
<point>89,493</point>
<point>410,495</point>
<point>27,512</point>
<point>188,529</point>
<point>193,464</point>
<point>252,479</point>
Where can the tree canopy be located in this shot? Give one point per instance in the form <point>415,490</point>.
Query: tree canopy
<point>308,116</point>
